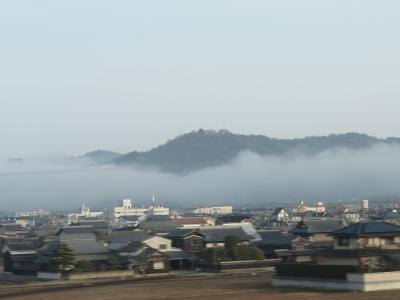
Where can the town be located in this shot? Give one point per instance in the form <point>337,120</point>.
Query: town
<point>312,245</point>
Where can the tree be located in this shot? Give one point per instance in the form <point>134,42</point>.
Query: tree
<point>62,259</point>
<point>85,266</point>
<point>231,247</point>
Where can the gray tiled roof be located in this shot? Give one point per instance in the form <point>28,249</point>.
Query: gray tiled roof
<point>77,229</point>
<point>213,234</point>
<point>316,226</point>
<point>275,237</point>
<point>20,247</point>
<point>128,236</point>
<point>368,228</point>
<point>180,232</point>
<point>219,234</point>
<point>86,247</point>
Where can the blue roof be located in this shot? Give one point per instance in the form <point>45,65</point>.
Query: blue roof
<point>368,228</point>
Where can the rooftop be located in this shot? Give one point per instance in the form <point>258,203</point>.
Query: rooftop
<point>367,229</point>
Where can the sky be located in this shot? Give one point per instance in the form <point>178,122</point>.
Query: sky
<point>76,75</point>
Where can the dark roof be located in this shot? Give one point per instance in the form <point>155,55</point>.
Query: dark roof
<point>79,247</point>
<point>275,238</point>
<point>368,229</point>
<point>330,252</point>
<point>20,247</point>
<point>97,224</point>
<point>316,226</point>
<point>128,236</point>
<point>86,247</point>
<point>181,233</point>
<point>76,229</point>
<point>212,234</point>
<point>159,226</point>
<point>219,234</point>
<point>236,218</point>
<point>157,218</point>
<point>132,247</point>
<point>10,227</point>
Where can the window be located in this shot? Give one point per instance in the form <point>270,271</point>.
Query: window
<point>388,240</point>
<point>343,242</point>
<point>163,246</point>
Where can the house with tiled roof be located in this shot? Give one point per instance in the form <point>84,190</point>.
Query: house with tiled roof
<point>19,258</point>
<point>367,245</point>
<point>317,230</point>
<point>83,243</point>
<point>194,240</point>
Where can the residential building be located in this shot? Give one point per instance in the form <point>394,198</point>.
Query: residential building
<point>317,230</point>
<point>370,246</point>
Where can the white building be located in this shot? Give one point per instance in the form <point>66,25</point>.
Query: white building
<point>36,213</point>
<point>85,213</point>
<point>213,210</point>
<point>280,215</point>
<point>127,209</point>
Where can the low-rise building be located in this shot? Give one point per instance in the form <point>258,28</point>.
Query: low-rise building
<point>213,210</point>
<point>128,209</point>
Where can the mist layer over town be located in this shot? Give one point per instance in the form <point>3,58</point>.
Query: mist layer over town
<point>251,180</point>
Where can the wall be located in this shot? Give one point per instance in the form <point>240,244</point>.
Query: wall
<point>337,261</point>
<point>374,281</point>
<point>156,241</point>
<point>109,274</point>
<point>366,282</point>
<point>340,285</point>
<point>49,276</point>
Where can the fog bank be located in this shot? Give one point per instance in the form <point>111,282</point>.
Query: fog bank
<point>64,184</point>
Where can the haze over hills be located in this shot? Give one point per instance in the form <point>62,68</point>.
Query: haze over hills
<point>100,156</point>
<point>211,168</point>
<point>209,148</point>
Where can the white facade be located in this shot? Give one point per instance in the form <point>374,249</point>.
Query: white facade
<point>127,209</point>
<point>85,213</point>
<point>36,213</point>
<point>214,210</point>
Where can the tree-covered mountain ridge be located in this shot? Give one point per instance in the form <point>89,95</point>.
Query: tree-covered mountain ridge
<point>204,148</point>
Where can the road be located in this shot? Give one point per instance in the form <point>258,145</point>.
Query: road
<point>216,287</point>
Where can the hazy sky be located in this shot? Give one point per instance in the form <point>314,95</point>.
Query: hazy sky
<point>82,75</point>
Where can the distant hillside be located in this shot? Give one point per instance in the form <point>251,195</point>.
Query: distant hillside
<point>101,156</point>
<point>205,148</point>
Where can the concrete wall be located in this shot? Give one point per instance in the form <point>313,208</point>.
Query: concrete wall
<point>49,276</point>
<point>93,275</point>
<point>355,282</point>
<point>309,283</point>
<point>374,281</point>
